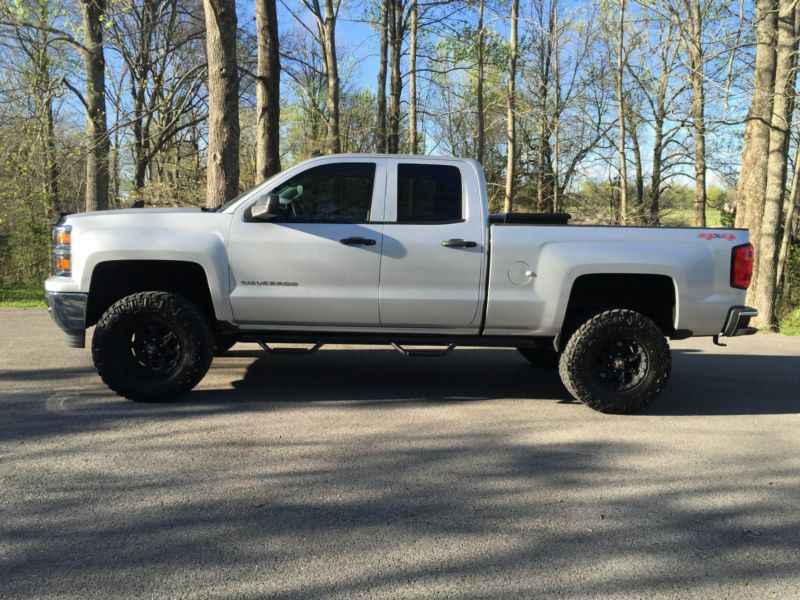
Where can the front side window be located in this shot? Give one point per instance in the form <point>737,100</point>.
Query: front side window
<point>428,193</point>
<point>334,193</point>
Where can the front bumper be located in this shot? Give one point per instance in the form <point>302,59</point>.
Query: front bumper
<point>738,322</point>
<point>68,310</point>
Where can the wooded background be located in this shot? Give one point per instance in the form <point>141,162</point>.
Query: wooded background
<point>666,112</point>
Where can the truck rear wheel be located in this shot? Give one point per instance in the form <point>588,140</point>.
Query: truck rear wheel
<point>152,346</point>
<point>618,361</point>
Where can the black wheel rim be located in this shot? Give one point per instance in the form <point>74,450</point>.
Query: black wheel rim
<point>155,347</point>
<point>618,364</point>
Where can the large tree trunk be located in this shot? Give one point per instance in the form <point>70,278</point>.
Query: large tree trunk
<point>542,154</point>
<point>380,142</point>
<point>268,92</point>
<point>623,166</point>
<point>698,113</point>
<point>140,76</point>
<point>785,77</point>
<point>222,171</point>
<point>412,81</point>
<point>93,12</point>
<point>396,33</point>
<point>791,207</point>
<point>753,174</point>
<point>333,141</point>
<point>480,133</point>
<point>511,123</point>
<point>554,41</point>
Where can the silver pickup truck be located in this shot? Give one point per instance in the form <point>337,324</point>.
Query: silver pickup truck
<point>401,250</point>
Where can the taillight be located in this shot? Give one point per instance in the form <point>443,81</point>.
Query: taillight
<point>742,266</point>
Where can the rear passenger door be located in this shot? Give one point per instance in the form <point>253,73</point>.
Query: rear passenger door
<point>433,247</point>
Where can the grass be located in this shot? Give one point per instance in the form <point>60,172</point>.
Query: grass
<point>684,217</point>
<point>16,297</point>
<point>790,324</point>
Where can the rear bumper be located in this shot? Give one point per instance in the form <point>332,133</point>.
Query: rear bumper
<point>738,321</point>
<point>68,310</point>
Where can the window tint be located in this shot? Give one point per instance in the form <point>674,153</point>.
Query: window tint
<point>329,193</point>
<point>430,193</point>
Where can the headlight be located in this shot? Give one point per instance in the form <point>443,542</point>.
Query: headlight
<point>62,245</point>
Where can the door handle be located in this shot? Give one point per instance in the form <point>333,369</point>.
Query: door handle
<point>458,243</point>
<point>357,241</point>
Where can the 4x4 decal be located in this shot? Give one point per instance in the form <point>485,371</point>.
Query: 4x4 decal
<point>712,236</point>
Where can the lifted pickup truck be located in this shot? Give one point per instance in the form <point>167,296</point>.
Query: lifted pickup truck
<point>401,250</point>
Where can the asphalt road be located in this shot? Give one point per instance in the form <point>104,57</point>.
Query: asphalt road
<point>358,473</point>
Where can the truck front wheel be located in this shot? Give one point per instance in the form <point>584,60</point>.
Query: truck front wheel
<point>616,362</point>
<point>152,346</point>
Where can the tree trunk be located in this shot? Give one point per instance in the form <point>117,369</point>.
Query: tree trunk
<point>791,207</point>
<point>381,96</point>
<point>698,114</point>
<point>753,174</point>
<point>396,82</point>
<point>655,177</point>
<point>412,81</point>
<point>222,170</point>
<point>268,92</point>
<point>623,167</point>
<point>545,51</point>
<point>93,12</point>
<point>140,75</point>
<point>556,104</point>
<point>333,141</point>
<point>782,106</point>
<point>511,128</point>
<point>480,134</point>
<point>638,209</point>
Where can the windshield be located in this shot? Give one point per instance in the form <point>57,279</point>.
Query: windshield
<point>230,203</point>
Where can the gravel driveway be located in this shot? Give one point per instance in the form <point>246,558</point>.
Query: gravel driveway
<point>358,473</point>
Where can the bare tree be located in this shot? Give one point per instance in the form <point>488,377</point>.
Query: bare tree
<point>268,96</point>
<point>94,98</point>
<point>480,114</point>
<point>381,93</point>
<point>755,152</point>
<point>398,25</point>
<point>222,176</point>
<point>696,63</point>
<point>325,17</point>
<point>511,130</point>
<point>412,80</point>
<point>782,107</point>
<point>623,167</point>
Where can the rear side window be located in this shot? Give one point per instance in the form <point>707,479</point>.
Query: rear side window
<point>428,193</point>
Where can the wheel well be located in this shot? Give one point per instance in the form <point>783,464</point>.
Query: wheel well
<point>651,295</point>
<point>113,280</point>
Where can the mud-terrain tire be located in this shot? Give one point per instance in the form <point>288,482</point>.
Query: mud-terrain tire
<point>618,361</point>
<point>152,346</point>
<point>546,358</point>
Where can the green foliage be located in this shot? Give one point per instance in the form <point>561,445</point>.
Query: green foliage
<point>11,297</point>
<point>790,324</point>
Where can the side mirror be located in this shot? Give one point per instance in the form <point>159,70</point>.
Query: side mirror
<point>266,208</point>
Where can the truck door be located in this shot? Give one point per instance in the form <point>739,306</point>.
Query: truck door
<point>318,263</point>
<point>432,264</point>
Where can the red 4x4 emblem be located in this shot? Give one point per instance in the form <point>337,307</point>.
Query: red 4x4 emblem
<point>712,236</point>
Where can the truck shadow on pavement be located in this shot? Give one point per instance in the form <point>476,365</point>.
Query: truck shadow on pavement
<point>701,384</point>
